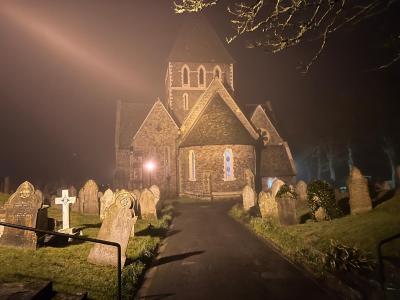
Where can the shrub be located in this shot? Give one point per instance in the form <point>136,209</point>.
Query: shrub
<point>325,194</point>
<point>346,258</point>
<point>286,190</point>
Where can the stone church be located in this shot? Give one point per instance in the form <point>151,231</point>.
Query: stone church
<point>198,140</point>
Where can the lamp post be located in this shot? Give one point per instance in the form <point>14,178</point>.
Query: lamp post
<point>149,166</point>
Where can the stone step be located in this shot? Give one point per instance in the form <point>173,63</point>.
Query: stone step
<point>26,291</point>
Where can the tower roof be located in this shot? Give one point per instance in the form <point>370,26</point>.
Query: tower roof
<point>198,42</point>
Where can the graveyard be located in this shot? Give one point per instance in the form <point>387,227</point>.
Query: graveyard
<point>199,149</point>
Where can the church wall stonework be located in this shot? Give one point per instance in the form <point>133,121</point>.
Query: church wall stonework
<point>209,163</point>
<point>194,91</point>
<point>156,141</point>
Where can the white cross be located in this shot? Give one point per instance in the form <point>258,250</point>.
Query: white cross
<point>65,200</point>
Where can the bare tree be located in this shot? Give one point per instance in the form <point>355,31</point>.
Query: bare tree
<point>282,24</point>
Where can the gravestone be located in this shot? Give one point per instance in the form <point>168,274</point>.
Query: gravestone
<point>88,201</point>
<point>40,195</point>
<point>21,208</point>
<point>301,191</point>
<point>100,194</point>
<point>147,205</point>
<point>276,186</point>
<point>360,200</point>
<point>287,210</point>
<point>65,200</point>
<point>116,227</point>
<point>78,205</point>
<point>320,214</point>
<point>137,194</point>
<point>249,178</point>
<point>267,205</point>
<point>136,206</point>
<point>7,185</point>
<point>105,202</point>
<point>72,192</point>
<point>156,192</point>
<point>248,197</point>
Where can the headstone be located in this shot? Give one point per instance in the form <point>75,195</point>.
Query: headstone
<point>287,210</point>
<point>320,214</point>
<point>249,178</point>
<point>72,192</point>
<point>100,194</point>
<point>7,185</point>
<point>40,195</point>
<point>90,204</point>
<point>360,200</point>
<point>276,186</point>
<point>147,204</point>
<point>105,202</point>
<point>156,192</point>
<point>22,209</point>
<point>78,205</point>
<point>116,227</point>
<point>248,197</point>
<point>137,194</point>
<point>301,191</point>
<point>65,200</point>
<point>267,205</point>
<point>136,206</point>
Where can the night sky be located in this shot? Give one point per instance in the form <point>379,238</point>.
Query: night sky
<point>64,64</point>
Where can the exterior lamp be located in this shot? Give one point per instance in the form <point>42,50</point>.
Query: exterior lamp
<point>150,166</point>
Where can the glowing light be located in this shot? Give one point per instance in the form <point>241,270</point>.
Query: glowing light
<point>66,46</point>
<point>150,166</point>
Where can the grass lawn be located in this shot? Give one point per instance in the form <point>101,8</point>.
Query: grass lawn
<point>67,266</point>
<point>307,243</point>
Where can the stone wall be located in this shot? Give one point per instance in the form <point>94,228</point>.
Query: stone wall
<point>210,170</point>
<point>156,141</point>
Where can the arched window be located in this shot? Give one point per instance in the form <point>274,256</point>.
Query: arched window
<point>228,165</point>
<point>192,166</point>
<point>217,72</point>
<point>202,77</point>
<point>185,101</point>
<point>185,76</point>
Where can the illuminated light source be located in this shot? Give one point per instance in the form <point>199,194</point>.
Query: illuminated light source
<point>150,166</point>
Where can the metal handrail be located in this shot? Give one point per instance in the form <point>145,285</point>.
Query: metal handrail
<point>81,238</point>
<point>381,267</point>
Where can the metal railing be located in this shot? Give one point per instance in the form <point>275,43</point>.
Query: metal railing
<point>380,257</point>
<point>81,238</point>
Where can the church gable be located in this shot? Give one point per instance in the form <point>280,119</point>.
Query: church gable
<point>215,88</point>
<point>158,128</point>
<point>261,121</point>
<point>217,125</point>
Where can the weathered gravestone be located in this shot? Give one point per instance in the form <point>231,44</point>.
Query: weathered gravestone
<point>287,209</point>
<point>72,192</point>
<point>88,199</point>
<point>249,178</point>
<point>248,197</point>
<point>7,185</point>
<point>267,205</point>
<point>147,205</point>
<point>276,186</point>
<point>65,200</point>
<point>40,195</point>
<point>116,227</point>
<point>320,214</point>
<point>301,191</point>
<point>360,200</point>
<point>105,202</point>
<point>156,192</point>
<point>22,208</point>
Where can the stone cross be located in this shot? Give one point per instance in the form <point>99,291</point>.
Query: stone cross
<point>65,200</point>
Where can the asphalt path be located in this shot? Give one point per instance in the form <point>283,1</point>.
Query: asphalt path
<point>209,255</point>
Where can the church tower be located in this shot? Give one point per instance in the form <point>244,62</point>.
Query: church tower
<point>197,56</point>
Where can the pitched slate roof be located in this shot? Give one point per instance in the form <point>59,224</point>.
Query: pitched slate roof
<point>198,42</point>
<point>260,119</point>
<point>276,160</point>
<point>130,116</point>
<point>215,89</point>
